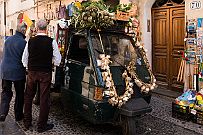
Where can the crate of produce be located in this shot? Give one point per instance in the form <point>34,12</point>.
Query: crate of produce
<point>180,112</point>
<point>197,116</point>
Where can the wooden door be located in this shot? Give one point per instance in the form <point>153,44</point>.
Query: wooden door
<point>177,34</point>
<point>168,39</point>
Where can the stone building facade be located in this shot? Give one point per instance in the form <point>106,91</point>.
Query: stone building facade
<point>36,9</point>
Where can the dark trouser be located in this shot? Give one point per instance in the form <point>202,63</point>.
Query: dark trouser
<point>7,94</point>
<point>37,95</point>
<point>44,80</point>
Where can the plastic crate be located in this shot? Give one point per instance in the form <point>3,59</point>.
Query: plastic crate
<point>197,116</point>
<point>181,112</point>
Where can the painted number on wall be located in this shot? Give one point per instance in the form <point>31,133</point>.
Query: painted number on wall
<point>195,5</point>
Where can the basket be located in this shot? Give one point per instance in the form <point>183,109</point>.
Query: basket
<point>180,112</point>
<point>124,16</point>
<point>197,116</point>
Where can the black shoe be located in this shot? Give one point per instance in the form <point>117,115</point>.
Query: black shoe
<point>27,125</point>
<point>2,117</point>
<point>19,118</point>
<point>36,102</point>
<point>46,128</point>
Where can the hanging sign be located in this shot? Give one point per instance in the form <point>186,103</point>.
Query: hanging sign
<point>195,5</point>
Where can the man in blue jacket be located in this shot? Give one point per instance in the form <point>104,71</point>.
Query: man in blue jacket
<point>13,71</point>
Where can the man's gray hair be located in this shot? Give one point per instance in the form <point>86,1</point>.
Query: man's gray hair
<point>22,27</point>
<point>42,24</point>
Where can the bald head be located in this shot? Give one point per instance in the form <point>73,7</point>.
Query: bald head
<point>42,24</point>
<point>22,27</point>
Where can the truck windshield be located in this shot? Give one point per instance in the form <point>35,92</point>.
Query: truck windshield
<point>118,46</point>
<point>122,51</point>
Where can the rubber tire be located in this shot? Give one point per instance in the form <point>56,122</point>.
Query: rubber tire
<point>128,126</point>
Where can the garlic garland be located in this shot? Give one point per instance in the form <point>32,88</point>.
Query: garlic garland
<point>145,87</point>
<point>109,83</point>
<point>131,68</point>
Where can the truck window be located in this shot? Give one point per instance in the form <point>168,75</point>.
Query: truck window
<point>119,47</point>
<point>78,50</point>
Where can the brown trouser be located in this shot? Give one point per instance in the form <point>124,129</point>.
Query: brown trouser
<point>44,80</point>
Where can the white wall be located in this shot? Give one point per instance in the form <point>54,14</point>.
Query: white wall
<point>193,13</point>
<point>145,14</point>
<point>124,1</point>
<point>2,27</point>
<point>1,18</point>
<point>14,8</point>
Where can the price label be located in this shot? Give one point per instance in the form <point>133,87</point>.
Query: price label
<point>193,111</point>
<point>195,5</point>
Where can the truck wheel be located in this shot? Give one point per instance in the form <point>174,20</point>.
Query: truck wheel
<point>128,126</point>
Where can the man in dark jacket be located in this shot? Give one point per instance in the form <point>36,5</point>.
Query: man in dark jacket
<point>12,71</point>
<point>38,56</point>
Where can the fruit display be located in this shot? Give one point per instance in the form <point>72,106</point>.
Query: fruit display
<point>188,98</point>
<point>199,102</point>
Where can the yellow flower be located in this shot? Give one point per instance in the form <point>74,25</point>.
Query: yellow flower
<point>78,5</point>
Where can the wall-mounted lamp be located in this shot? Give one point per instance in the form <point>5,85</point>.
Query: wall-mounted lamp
<point>148,25</point>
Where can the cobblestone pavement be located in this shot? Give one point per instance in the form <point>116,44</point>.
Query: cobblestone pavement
<point>158,122</point>
<point>9,127</point>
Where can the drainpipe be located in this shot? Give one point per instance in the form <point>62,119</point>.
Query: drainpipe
<point>37,10</point>
<point>5,18</point>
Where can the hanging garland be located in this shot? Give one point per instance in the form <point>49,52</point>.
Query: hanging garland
<point>109,83</point>
<point>131,68</point>
<point>145,87</point>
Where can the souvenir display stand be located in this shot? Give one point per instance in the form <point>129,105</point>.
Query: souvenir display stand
<point>62,44</point>
<point>62,41</point>
<point>58,30</point>
<point>189,106</point>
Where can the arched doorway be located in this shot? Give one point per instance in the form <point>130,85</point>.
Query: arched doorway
<point>168,31</point>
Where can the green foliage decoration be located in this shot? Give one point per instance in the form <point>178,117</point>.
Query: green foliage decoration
<point>92,15</point>
<point>124,7</point>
